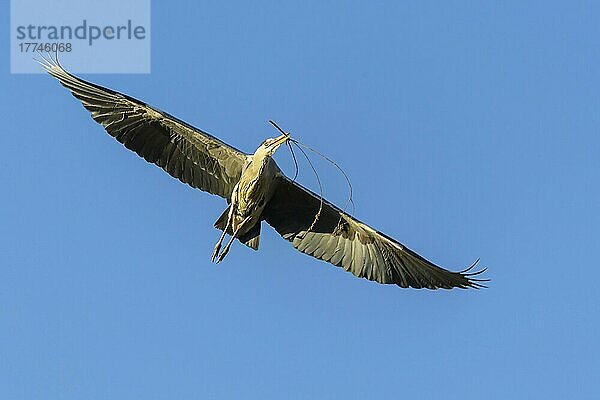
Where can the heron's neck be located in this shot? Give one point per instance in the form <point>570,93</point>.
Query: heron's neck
<point>257,176</point>
<point>258,163</point>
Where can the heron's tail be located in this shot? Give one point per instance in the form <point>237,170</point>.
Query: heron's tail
<point>252,237</point>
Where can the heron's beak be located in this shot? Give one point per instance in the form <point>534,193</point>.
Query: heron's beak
<point>279,141</point>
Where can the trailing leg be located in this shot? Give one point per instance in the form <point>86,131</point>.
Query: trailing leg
<point>232,238</point>
<point>225,228</point>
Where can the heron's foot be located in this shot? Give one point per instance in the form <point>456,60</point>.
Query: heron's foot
<point>223,254</point>
<point>231,239</point>
<point>216,251</point>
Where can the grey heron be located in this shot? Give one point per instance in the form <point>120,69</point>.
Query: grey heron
<point>257,190</point>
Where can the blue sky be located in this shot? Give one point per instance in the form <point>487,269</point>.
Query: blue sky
<point>468,130</point>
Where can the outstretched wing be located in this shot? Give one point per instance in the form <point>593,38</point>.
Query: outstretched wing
<point>346,242</point>
<point>186,153</point>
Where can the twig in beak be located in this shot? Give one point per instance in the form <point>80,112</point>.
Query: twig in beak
<point>287,134</point>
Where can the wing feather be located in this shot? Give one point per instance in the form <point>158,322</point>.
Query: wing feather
<point>186,153</point>
<point>353,245</point>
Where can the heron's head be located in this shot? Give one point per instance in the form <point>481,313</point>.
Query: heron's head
<point>269,146</point>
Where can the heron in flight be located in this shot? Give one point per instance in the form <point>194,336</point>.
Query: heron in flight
<point>257,190</point>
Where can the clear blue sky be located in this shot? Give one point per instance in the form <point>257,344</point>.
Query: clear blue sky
<point>468,130</point>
